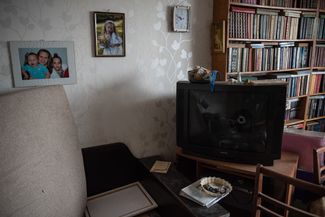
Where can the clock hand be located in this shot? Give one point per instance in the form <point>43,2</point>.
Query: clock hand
<point>179,17</point>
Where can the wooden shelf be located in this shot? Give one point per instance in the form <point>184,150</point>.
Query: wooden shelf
<point>315,119</point>
<point>319,68</point>
<point>297,97</point>
<point>266,72</point>
<point>269,40</point>
<point>293,122</point>
<point>239,57</point>
<point>272,7</point>
<point>317,94</point>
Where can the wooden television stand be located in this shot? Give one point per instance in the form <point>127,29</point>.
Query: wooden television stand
<point>287,165</point>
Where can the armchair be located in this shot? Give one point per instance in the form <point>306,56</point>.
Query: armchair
<point>44,172</point>
<point>41,169</point>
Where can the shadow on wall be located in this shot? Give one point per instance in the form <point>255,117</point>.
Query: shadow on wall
<point>127,112</point>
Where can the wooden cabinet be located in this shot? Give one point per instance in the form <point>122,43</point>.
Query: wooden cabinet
<point>287,165</point>
<point>277,39</point>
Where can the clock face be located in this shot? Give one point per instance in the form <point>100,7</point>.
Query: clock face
<point>181,19</point>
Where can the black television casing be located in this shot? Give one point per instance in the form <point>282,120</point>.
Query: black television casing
<point>236,123</point>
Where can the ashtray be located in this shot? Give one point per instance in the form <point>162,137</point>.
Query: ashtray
<point>215,186</point>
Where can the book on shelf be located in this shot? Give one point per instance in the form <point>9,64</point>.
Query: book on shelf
<point>243,9</point>
<point>266,82</point>
<point>291,13</point>
<point>195,193</point>
<point>267,56</point>
<point>292,109</point>
<point>317,84</point>
<point>316,106</point>
<point>296,126</point>
<point>267,11</point>
<point>320,55</point>
<point>321,29</point>
<point>287,44</point>
<point>316,125</point>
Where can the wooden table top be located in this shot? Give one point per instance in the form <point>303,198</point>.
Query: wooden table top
<point>287,165</point>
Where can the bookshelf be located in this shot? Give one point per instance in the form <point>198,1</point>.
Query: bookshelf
<point>277,39</point>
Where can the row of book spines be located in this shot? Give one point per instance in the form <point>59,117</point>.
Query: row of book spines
<point>282,3</point>
<point>292,110</point>
<point>317,83</point>
<point>320,56</point>
<point>262,26</point>
<point>316,125</point>
<point>321,29</point>
<point>316,106</point>
<point>276,12</point>
<point>296,86</point>
<point>265,59</point>
<point>322,4</point>
<point>291,114</point>
<point>255,26</point>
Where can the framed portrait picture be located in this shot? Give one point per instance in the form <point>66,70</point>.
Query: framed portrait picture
<point>181,18</point>
<point>39,63</point>
<point>109,29</point>
<point>218,36</point>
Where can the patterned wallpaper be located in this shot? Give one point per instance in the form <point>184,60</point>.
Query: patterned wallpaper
<point>128,99</point>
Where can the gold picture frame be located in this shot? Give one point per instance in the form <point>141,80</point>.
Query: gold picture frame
<point>109,30</point>
<point>219,37</point>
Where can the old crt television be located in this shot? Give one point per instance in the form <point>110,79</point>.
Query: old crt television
<point>236,122</point>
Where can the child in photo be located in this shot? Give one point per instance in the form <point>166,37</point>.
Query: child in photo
<point>111,43</point>
<point>59,70</point>
<point>32,69</point>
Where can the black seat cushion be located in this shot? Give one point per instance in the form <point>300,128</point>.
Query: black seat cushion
<point>110,166</point>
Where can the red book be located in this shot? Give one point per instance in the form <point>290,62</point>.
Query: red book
<point>243,10</point>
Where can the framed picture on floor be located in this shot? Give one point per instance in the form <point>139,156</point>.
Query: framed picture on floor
<point>109,30</point>
<point>40,63</point>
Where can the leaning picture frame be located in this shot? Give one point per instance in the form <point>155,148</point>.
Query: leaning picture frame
<point>218,36</point>
<point>109,34</point>
<point>41,63</point>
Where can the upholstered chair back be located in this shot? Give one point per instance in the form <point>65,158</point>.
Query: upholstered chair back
<point>41,167</point>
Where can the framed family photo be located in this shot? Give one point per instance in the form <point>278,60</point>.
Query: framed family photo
<point>109,39</point>
<point>40,63</point>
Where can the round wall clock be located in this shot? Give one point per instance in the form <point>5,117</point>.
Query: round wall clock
<point>181,19</point>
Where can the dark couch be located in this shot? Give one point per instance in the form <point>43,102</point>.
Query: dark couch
<point>113,165</point>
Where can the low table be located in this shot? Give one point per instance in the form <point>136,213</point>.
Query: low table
<point>174,181</point>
